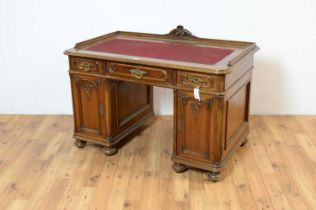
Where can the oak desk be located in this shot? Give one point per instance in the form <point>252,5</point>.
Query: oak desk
<point>112,78</point>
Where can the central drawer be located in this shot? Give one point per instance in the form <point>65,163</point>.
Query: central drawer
<point>140,73</point>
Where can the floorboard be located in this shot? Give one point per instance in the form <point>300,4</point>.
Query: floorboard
<point>40,168</point>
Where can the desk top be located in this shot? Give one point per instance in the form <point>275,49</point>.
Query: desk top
<point>177,49</point>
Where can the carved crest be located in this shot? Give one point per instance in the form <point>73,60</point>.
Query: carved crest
<point>196,107</point>
<point>195,104</point>
<point>87,86</point>
<point>181,32</point>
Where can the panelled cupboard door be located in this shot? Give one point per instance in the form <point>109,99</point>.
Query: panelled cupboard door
<point>88,94</point>
<point>195,126</point>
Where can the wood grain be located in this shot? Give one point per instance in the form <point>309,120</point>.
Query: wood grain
<point>41,169</point>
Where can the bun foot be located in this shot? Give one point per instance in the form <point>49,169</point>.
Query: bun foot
<point>109,150</point>
<point>213,176</point>
<point>244,143</point>
<point>80,144</point>
<point>179,168</point>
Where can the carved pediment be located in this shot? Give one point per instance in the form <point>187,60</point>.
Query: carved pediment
<point>181,32</point>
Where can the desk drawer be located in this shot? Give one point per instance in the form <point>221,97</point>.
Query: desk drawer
<point>86,65</point>
<point>146,74</point>
<point>203,81</point>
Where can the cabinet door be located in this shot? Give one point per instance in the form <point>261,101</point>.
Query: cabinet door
<point>195,126</point>
<point>88,103</point>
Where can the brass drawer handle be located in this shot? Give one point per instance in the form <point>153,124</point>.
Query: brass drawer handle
<point>86,67</point>
<point>196,81</point>
<point>138,74</point>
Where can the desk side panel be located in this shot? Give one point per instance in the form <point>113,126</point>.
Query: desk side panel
<point>236,114</point>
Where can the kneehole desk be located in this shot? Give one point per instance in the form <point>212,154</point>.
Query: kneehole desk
<point>112,79</point>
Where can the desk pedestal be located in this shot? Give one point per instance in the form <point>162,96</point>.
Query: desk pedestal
<point>107,111</point>
<point>209,131</point>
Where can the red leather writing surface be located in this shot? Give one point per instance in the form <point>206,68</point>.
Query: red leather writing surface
<point>163,50</point>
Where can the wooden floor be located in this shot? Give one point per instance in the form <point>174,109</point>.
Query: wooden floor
<point>41,169</point>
